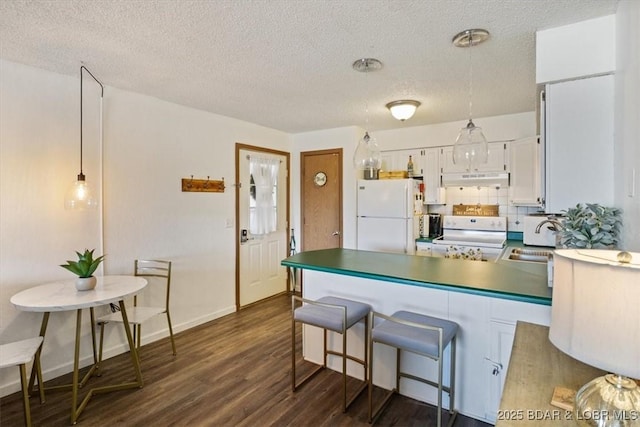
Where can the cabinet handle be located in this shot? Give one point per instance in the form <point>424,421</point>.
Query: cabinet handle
<point>497,366</point>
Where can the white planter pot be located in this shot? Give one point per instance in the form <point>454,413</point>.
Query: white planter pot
<point>85,283</point>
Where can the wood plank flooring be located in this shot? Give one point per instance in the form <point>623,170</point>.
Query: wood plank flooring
<point>233,371</point>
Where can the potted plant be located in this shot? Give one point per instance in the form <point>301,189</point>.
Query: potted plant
<point>590,226</point>
<point>84,268</point>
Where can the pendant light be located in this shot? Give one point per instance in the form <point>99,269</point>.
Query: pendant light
<point>470,148</point>
<point>80,195</point>
<point>367,156</point>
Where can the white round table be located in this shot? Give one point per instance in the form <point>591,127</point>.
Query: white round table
<point>63,296</point>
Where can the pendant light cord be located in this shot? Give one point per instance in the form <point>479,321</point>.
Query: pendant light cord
<point>83,68</point>
<point>470,77</point>
<point>366,98</point>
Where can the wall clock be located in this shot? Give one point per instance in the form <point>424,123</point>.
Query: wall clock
<point>320,179</point>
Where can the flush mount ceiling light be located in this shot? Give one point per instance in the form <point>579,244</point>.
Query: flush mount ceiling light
<point>80,195</point>
<point>470,148</point>
<point>404,109</point>
<point>367,154</point>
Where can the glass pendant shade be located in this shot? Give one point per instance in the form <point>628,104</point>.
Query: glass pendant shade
<point>471,148</point>
<point>80,195</point>
<point>367,155</point>
<point>610,400</point>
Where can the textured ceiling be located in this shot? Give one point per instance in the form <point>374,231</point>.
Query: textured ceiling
<point>286,64</point>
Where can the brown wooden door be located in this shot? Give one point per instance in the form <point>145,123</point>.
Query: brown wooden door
<point>321,195</point>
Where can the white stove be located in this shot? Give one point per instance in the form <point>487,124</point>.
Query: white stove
<point>471,237</point>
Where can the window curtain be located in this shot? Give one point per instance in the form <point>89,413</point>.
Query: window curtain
<point>263,219</point>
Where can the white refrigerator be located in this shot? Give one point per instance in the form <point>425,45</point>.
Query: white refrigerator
<point>387,215</point>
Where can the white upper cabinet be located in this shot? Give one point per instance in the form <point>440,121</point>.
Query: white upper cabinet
<point>495,161</point>
<point>578,50</point>
<point>525,172</point>
<point>397,160</point>
<point>579,142</point>
<point>433,193</point>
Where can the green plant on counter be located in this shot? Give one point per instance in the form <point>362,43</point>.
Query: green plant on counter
<point>590,226</point>
<point>85,266</point>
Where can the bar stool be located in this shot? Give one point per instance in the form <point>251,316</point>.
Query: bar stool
<point>330,314</point>
<point>416,333</point>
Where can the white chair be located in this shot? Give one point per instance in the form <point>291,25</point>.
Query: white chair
<point>20,353</point>
<point>137,315</point>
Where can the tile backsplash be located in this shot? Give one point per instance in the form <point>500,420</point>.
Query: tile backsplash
<point>485,196</point>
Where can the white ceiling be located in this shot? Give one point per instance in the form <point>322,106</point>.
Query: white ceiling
<point>286,64</point>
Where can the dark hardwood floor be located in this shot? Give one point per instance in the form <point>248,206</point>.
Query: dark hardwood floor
<point>234,371</point>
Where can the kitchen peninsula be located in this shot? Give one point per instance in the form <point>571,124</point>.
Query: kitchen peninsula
<point>486,299</point>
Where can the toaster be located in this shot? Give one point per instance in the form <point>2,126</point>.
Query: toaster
<point>546,236</point>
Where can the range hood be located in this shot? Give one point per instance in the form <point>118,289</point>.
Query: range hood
<point>475,179</point>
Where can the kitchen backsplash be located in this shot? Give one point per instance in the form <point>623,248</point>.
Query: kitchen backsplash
<point>485,196</point>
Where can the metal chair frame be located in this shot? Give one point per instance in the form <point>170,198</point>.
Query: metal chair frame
<point>374,414</point>
<point>294,385</point>
<point>143,268</point>
<point>33,345</point>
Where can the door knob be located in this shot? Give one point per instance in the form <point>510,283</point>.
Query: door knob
<point>336,233</point>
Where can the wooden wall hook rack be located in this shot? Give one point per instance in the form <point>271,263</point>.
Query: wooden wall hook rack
<point>202,185</point>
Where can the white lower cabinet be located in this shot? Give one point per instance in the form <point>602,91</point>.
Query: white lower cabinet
<point>503,316</point>
<point>487,326</point>
<point>501,336</point>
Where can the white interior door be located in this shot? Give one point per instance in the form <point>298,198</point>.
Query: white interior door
<point>260,273</point>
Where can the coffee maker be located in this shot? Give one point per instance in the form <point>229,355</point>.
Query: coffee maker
<point>435,225</point>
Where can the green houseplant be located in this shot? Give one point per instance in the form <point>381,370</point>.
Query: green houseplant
<point>84,269</point>
<point>590,226</point>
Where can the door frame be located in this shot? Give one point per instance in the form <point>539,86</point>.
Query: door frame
<point>287,155</point>
<point>303,172</point>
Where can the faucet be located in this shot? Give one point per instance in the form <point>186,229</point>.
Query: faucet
<point>557,225</point>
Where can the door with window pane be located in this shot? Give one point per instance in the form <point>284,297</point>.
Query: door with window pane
<point>262,221</point>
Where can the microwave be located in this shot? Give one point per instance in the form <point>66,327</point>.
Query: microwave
<point>546,236</point>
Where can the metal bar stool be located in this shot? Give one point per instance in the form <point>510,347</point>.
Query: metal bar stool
<point>416,333</point>
<point>333,314</point>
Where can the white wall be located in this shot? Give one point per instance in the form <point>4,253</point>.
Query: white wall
<point>627,120</point>
<point>149,145</point>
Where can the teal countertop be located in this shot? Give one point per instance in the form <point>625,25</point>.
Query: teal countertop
<point>513,280</point>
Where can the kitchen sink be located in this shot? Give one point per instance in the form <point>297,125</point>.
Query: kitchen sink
<point>528,255</point>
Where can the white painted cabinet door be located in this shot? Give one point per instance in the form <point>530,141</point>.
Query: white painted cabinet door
<point>471,313</point>
<point>495,160</point>
<point>579,143</point>
<point>433,192</point>
<point>501,336</point>
<point>397,160</point>
<point>446,161</point>
<point>525,184</point>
